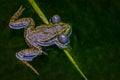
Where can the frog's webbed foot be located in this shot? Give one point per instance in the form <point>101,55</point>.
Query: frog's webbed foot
<point>20,23</point>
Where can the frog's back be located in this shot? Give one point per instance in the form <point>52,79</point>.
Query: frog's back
<point>46,33</point>
<point>42,33</point>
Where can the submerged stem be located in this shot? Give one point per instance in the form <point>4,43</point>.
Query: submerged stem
<point>66,51</point>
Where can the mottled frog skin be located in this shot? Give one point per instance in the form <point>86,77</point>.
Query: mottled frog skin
<point>56,32</point>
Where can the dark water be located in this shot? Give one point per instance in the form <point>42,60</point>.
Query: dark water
<point>95,41</point>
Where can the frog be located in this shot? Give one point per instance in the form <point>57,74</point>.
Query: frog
<point>55,33</point>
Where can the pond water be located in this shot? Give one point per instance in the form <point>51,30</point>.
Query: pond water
<point>95,41</point>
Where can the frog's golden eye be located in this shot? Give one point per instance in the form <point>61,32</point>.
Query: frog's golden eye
<point>63,38</point>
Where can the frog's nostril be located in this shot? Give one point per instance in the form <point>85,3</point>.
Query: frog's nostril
<point>56,18</point>
<point>63,38</point>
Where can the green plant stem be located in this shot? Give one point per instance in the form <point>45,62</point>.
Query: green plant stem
<point>38,11</point>
<point>66,51</point>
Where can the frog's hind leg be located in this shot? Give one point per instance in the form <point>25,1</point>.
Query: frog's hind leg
<point>20,23</point>
<point>28,55</point>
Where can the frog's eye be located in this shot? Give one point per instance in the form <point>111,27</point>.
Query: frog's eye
<point>63,38</point>
<point>55,19</point>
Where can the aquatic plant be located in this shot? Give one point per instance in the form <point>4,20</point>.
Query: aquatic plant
<point>68,49</point>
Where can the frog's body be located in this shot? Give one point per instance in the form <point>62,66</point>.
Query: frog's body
<point>44,35</point>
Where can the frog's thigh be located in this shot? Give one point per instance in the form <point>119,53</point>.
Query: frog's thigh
<point>21,23</point>
<point>28,54</point>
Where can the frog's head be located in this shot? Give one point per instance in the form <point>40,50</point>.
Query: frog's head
<point>61,27</point>
<point>63,37</point>
<point>64,31</point>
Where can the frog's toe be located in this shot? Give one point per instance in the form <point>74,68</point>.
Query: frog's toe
<point>55,19</point>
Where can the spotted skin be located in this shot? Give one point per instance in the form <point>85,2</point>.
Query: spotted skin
<point>36,37</point>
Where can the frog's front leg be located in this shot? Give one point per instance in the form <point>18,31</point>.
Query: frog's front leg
<point>20,23</point>
<point>28,55</point>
